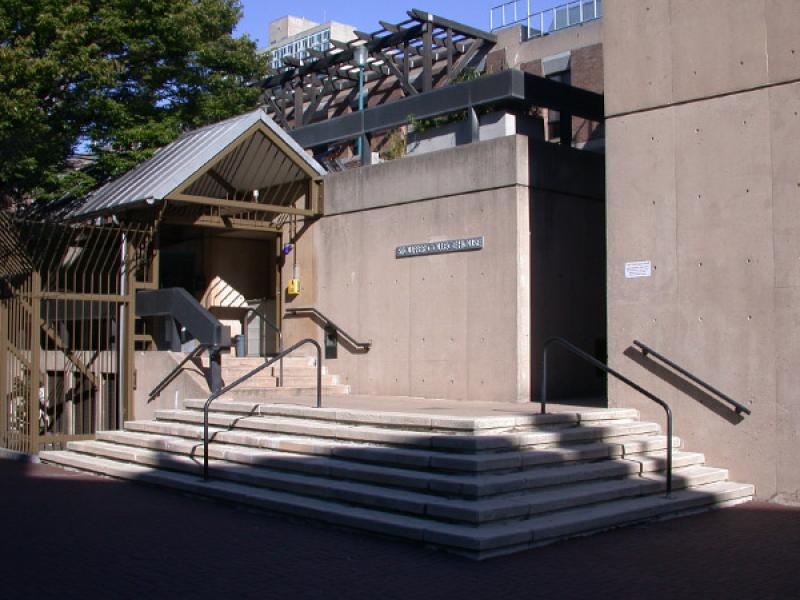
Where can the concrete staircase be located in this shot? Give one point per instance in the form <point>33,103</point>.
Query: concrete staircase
<point>479,486</point>
<point>299,372</point>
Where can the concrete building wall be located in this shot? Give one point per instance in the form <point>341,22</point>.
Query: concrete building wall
<point>288,26</point>
<point>454,325</point>
<point>703,110</point>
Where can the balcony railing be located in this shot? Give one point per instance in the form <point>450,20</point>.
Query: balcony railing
<point>537,24</point>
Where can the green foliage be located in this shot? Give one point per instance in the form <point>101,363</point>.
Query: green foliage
<point>116,77</point>
<point>395,144</point>
<point>423,125</point>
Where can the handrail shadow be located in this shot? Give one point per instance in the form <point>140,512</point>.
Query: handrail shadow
<point>684,386</point>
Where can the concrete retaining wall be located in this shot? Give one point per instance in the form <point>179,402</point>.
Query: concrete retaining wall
<point>452,325</point>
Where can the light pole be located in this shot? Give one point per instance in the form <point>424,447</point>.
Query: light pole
<point>360,55</point>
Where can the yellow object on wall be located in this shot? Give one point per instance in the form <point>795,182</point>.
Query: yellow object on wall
<point>293,289</point>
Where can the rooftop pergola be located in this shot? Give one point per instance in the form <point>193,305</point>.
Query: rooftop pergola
<point>419,54</point>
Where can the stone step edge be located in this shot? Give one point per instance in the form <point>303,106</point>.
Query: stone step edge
<point>416,457</point>
<point>454,485</point>
<point>424,505</point>
<point>476,542</point>
<point>421,421</point>
<point>328,389</point>
<point>457,442</point>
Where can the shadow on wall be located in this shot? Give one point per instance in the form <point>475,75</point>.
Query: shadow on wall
<point>684,386</point>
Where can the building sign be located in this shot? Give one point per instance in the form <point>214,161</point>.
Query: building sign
<point>443,247</point>
<point>639,268</point>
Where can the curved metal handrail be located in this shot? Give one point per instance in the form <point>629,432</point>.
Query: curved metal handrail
<point>740,408</point>
<point>247,376</point>
<point>275,328</point>
<point>365,346</point>
<point>604,367</point>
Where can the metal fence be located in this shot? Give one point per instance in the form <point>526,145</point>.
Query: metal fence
<point>539,23</point>
<point>66,329</point>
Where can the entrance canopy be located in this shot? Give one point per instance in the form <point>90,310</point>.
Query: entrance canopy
<point>242,173</point>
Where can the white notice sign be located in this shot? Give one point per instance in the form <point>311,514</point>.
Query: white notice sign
<point>639,268</point>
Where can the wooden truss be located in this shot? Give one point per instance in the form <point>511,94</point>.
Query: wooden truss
<point>216,197</point>
<point>417,55</point>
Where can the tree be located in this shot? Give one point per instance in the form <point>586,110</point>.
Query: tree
<point>118,78</point>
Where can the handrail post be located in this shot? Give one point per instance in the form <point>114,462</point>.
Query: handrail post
<point>543,399</point>
<point>217,393</point>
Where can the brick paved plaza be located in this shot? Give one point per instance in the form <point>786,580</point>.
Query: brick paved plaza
<point>71,535</point>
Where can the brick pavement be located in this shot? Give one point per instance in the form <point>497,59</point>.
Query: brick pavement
<point>71,535</point>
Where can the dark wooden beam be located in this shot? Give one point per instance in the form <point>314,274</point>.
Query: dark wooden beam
<point>222,182</point>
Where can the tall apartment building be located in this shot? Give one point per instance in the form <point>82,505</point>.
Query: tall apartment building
<point>295,36</point>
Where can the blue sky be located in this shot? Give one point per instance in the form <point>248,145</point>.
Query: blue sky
<point>365,14</point>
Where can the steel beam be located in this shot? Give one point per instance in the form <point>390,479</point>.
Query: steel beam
<point>512,89</point>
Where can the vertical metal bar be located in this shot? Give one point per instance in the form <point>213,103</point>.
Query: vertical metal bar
<point>528,17</point>
<point>580,11</point>
<point>541,23</point>
<point>361,110</point>
<point>543,399</point>
<point>3,373</point>
<point>669,451</point>
<point>319,376</point>
<point>122,329</point>
<point>35,342</point>
<point>126,404</point>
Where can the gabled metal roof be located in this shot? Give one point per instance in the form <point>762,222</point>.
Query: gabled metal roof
<point>154,179</point>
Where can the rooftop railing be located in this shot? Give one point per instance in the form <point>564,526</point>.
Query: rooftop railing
<point>519,12</point>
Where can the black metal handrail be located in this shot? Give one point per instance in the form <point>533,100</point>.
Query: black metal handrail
<point>275,328</point>
<point>174,373</point>
<point>740,408</point>
<point>365,346</point>
<point>247,376</point>
<point>604,367</point>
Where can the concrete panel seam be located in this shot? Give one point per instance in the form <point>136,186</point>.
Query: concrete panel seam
<point>756,88</point>
<point>426,199</point>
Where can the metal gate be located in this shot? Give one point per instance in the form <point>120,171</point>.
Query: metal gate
<point>66,329</point>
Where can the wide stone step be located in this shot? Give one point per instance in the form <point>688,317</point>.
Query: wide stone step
<point>446,441</point>
<point>291,379</point>
<point>458,443</point>
<point>273,394</point>
<point>437,460</point>
<point>250,362</point>
<point>453,485</point>
<point>479,542</point>
<point>388,498</point>
<point>418,421</point>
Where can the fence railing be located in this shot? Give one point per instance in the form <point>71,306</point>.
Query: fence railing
<point>539,23</point>
<point>66,315</point>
